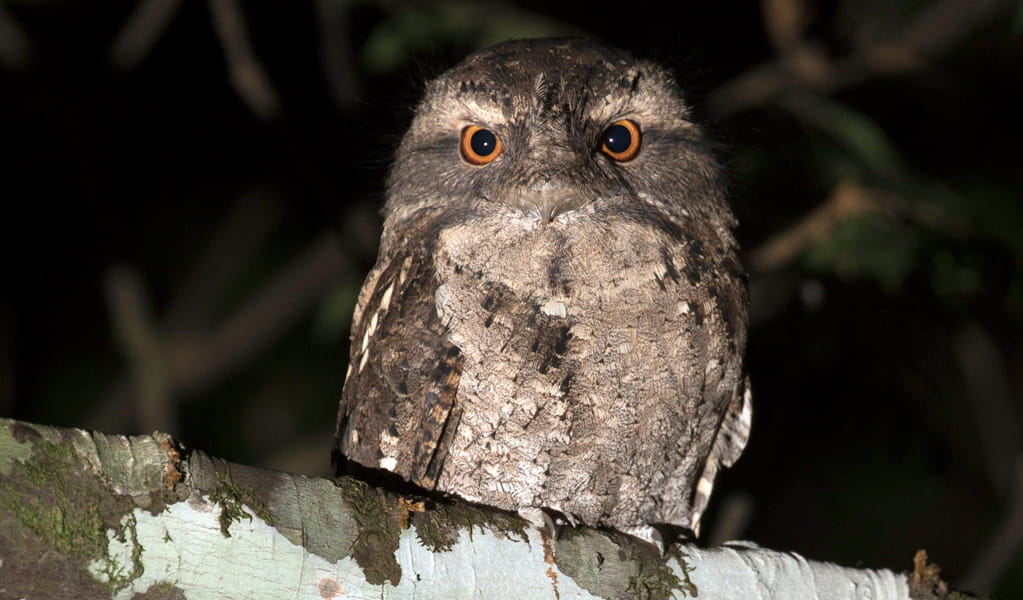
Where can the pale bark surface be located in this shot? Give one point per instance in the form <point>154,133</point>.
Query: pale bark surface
<point>85,515</point>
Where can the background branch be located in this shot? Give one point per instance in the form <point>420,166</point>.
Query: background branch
<point>195,360</point>
<point>142,345</point>
<point>140,32</point>
<point>937,28</point>
<point>15,47</point>
<point>247,75</point>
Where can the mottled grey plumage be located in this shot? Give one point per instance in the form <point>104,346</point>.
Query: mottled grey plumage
<point>553,329</point>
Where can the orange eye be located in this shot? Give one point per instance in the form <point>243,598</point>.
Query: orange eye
<point>480,146</point>
<point>620,141</point>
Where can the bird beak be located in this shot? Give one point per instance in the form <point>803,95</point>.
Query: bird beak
<point>549,200</point>
<point>550,208</point>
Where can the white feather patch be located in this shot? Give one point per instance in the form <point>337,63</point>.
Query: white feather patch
<point>385,299</point>
<point>554,308</point>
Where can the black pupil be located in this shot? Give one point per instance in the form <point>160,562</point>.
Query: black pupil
<point>483,142</point>
<point>617,138</point>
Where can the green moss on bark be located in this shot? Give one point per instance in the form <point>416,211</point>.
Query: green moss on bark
<point>377,538</point>
<point>615,565</point>
<point>161,591</point>
<point>656,579</point>
<point>438,527</point>
<point>233,500</point>
<point>54,495</point>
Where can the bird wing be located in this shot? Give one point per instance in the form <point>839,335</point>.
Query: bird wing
<point>398,407</point>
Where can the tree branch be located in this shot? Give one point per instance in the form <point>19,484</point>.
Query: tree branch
<point>96,516</point>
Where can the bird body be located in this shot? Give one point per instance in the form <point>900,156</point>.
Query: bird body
<point>553,323</point>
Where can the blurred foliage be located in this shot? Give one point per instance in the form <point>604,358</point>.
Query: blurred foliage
<point>413,29</point>
<point>872,246</point>
<point>863,150</point>
<point>334,317</point>
<point>871,429</point>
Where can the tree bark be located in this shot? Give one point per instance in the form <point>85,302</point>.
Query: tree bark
<point>91,516</point>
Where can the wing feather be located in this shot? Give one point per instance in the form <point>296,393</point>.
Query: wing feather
<point>397,405</point>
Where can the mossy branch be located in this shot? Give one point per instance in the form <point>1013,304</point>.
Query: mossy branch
<point>94,516</point>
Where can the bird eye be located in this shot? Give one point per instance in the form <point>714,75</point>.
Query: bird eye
<point>620,141</point>
<point>480,146</point>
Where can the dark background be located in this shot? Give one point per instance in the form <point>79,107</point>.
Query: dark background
<point>190,204</point>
